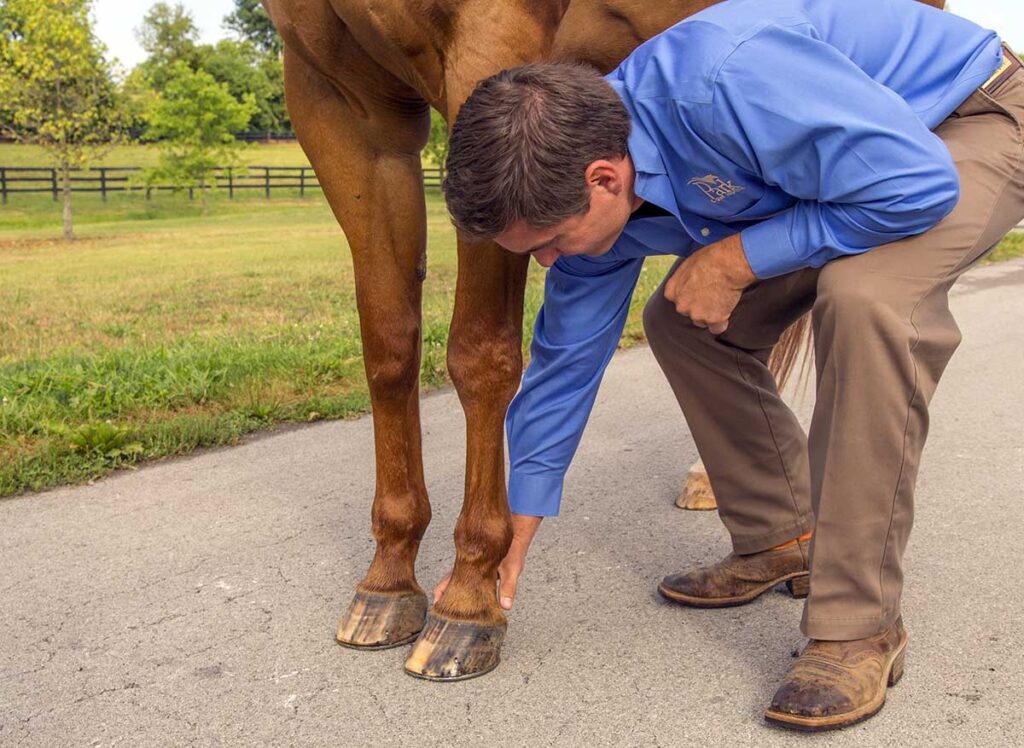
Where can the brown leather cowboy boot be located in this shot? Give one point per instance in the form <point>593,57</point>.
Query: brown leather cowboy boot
<point>736,580</point>
<point>834,684</point>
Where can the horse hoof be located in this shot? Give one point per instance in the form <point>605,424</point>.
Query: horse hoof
<point>451,650</point>
<point>378,620</point>
<point>697,494</point>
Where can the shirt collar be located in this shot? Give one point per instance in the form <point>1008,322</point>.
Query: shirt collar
<point>642,149</point>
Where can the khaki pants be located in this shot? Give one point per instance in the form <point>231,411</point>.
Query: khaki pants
<point>883,334</point>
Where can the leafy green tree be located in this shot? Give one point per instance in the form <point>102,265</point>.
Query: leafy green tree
<point>250,21</point>
<point>55,85</point>
<point>195,119</point>
<point>247,70</point>
<point>168,34</point>
<point>436,148</point>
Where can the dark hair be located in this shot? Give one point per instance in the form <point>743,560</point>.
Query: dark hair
<point>522,142</point>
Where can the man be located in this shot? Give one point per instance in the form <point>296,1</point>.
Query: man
<point>851,159</point>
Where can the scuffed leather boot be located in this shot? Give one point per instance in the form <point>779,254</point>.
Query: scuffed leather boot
<point>736,580</point>
<point>834,684</point>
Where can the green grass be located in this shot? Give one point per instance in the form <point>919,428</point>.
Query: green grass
<point>1010,247</point>
<point>263,154</point>
<point>159,331</point>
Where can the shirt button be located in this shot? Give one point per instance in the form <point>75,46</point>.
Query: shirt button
<point>705,231</point>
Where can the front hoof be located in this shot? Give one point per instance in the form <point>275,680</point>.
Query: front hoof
<point>450,650</point>
<point>378,620</point>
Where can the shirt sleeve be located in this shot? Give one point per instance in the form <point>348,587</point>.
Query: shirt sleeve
<point>864,168</point>
<point>586,302</point>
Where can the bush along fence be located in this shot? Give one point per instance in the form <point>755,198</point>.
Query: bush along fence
<point>107,179</point>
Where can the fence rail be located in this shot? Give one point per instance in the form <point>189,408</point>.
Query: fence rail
<point>107,179</point>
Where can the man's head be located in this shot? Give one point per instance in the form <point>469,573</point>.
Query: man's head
<point>538,161</point>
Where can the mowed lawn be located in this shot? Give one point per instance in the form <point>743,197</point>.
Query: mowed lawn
<point>159,331</point>
<point>261,154</point>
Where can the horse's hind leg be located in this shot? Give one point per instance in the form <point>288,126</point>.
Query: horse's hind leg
<point>366,157</point>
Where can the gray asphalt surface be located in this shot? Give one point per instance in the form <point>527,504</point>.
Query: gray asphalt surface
<point>196,600</point>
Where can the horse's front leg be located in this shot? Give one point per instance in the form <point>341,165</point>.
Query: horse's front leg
<point>466,627</point>
<point>365,150</point>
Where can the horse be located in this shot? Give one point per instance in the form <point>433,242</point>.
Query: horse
<point>360,79</point>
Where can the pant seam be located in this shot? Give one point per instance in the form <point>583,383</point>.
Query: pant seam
<point>913,348</point>
<point>771,432</point>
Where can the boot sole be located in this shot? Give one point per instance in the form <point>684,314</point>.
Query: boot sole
<point>893,673</point>
<point>796,583</point>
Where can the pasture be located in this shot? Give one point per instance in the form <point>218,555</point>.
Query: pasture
<point>159,331</point>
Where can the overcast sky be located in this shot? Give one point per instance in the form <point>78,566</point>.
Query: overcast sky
<point>116,21</point>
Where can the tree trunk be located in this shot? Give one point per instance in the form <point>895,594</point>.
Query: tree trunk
<point>202,194</point>
<point>65,177</point>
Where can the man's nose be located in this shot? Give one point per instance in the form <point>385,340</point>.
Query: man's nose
<point>546,257</point>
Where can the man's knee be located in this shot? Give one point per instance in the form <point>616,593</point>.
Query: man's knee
<point>661,321</point>
<point>854,308</point>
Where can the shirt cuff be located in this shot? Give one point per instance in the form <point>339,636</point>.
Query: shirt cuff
<point>535,495</point>
<point>769,248</point>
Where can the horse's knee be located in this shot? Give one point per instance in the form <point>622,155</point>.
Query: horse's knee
<point>392,362</point>
<point>484,367</point>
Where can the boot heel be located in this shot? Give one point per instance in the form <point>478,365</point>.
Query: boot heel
<point>799,587</point>
<point>896,671</point>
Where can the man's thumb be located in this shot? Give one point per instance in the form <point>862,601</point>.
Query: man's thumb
<point>507,591</point>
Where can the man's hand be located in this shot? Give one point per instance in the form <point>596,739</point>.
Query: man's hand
<point>708,284</point>
<point>524,527</point>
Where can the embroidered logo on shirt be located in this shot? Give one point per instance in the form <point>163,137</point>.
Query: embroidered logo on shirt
<point>715,188</point>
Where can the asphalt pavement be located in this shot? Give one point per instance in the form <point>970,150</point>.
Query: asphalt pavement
<point>194,601</point>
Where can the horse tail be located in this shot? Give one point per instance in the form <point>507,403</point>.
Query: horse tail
<point>792,352</point>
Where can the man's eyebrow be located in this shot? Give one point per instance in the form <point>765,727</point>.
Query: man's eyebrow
<point>541,246</point>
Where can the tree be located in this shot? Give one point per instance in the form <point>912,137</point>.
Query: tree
<point>168,34</point>
<point>195,119</point>
<point>55,85</point>
<point>247,70</point>
<point>436,148</point>
<point>250,21</point>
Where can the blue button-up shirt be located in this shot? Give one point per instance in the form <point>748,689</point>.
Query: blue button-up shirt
<point>805,125</point>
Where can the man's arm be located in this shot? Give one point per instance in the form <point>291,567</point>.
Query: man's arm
<point>586,302</point>
<point>865,169</point>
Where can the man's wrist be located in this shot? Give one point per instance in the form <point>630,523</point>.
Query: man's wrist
<point>524,527</point>
<point>732,261</point>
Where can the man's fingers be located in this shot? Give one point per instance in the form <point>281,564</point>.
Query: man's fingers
<point>442,586</point>
<point>508,580</point>
<point>717,328</point>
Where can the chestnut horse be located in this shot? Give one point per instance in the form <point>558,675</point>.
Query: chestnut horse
<point>360,78</point>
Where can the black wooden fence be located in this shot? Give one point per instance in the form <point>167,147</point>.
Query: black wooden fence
<point>108,179</point>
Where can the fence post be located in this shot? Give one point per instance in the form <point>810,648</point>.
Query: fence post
<point>302,181</point>
<point>3,184</point>
<point>266,181</point>
<point>103,183</point>
<point>231,184</point>
<point>53,183</point>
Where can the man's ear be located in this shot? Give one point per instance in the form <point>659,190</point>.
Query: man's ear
<point>605,175</point>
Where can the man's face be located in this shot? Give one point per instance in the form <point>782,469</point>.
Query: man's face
<point>592,232</point>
